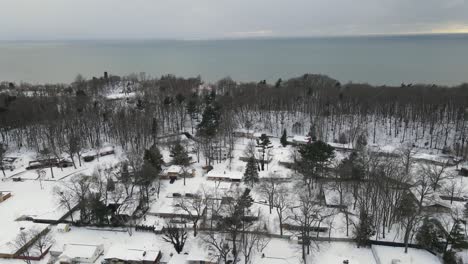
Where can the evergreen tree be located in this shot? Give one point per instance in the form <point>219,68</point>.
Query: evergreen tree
<point>365,229</point>
<point>284,139</point>
<point>465,211</point>
<point>361,142</point>
<point>154,158</point>
<point>312,133</point>
<point>3,150</point>
<point>98,210</point>
<point>180,155</point>
<point>450,257</point>
<point>251,172</point>
<point>313,159</point>
<point>430,234</point>
<point>263,143</point>
<point>456,238</point>
<point>211,118</point>
<point>192,109</point>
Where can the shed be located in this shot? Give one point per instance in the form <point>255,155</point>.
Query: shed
<point>63,228</point>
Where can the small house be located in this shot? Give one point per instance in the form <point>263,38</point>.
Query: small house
<point>173,172</point>
<point>218,175</point>
<point>120,254</point>
<point>201,256</point>
<point>80,253</point>
<point>243,133</point>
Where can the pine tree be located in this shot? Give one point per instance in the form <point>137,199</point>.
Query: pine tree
<point>153,157</point>
<point>284,139</point>
<point>211,118</point>
<point>456,238</point>
<point>361,142</point>
<point>251,172</point>
<point>314,157</point>
<point>263,143</point>
<point>364,230</point>
<point>429,235</point>
<point>180,155</point>
<point>3,150</point>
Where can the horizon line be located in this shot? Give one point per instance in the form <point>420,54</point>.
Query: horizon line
<point>376,35</point>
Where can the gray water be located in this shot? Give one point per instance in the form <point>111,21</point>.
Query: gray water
<point>438,59</point>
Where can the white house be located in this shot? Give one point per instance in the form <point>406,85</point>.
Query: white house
<point>118,254</point>
<point>80,253</point>
<point>220,175</point>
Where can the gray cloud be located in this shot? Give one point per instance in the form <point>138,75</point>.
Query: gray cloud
<point>198,19</point>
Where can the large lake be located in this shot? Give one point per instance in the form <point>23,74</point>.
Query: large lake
<point>438,59</point>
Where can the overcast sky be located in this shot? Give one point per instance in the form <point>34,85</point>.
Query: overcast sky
<point>204,19</point>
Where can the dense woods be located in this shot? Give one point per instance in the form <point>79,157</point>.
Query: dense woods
<point>66,117</point>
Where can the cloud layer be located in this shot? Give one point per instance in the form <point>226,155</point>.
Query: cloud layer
<point>202,19</point>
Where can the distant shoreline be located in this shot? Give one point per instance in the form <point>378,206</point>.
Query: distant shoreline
<point>377,60</point>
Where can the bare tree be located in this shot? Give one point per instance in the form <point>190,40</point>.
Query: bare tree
<point>219,246</point>
<point>267,189</point>
<point>65,198</point>
<point>176,236</point>
<point>281,202</point>
<point>30,240</point>
<point>305,217</point>
<point>436,174</point>
<point>22,244</point>
<point>422,187</point>
<point>406,152</point>
<point>195,207</point>
<point>252,241</point>
<point>453,187</point>
<point>44,242</point>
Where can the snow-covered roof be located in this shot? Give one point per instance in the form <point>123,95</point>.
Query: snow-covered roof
<point>415,256</point>
<point>233,175</point>
<point>174,169</point>
<point>438,158</point>
<point>82,251</point>
<point>200,255</point>
<point>121,252</point>
<point>115,96</point>
<point>297,138</point>
<point>340,146</point>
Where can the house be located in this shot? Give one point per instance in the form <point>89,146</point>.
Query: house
<point>174,172</point>
<point>341,147</point>
<point>91,155</point>
<point>200,256</point>
<point>40,164</point>
<point>10,163</point>
<point>300,140</point>
<point>80,253</point>
<point>432,204</point>
<point>120,254</point>
<point>4,196</point>
<point>243,133</point>
<point>218,175</point>
<point>397,255</point>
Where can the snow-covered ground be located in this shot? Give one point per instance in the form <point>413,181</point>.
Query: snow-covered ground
<point>34,198</point>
